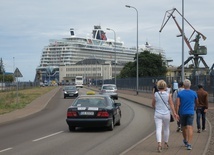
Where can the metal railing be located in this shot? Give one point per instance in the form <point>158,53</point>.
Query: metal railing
<point>146,84</point>
<point>10,86</point>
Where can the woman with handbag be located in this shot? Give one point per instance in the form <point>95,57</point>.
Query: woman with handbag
<point>163,104</point>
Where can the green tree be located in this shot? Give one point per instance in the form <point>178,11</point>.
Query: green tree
<point>129,70</point>
<point>149,64</point>
<point>7,78</point>
<point>1,66</point>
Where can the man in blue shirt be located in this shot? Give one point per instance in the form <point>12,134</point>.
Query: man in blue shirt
<point>186,102</point>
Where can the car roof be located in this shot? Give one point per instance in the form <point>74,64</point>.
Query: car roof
<point>108,85</point>
<point>71,86</point>
<point>93,96</point>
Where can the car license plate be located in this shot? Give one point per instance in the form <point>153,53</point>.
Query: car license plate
<point>87,113</point>
<point>71,94</point>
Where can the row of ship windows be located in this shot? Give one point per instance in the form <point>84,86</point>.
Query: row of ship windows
<point>84,69</point>
<point>52,49</point>
<point>86,75</point>
<point>48,57</point>
<point>62,56</point>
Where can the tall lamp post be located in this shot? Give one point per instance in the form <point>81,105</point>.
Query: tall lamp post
<point>182,72</point>
<point>128,6</point>
<point>115,77</point>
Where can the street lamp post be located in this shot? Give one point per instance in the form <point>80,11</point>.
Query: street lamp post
<point>182,72</point>
<point>128,6</point>
<point>115,77</point>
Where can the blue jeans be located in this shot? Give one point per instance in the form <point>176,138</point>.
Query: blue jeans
<point>200,113</point>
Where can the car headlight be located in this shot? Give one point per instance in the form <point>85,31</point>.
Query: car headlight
<point>65,92</point>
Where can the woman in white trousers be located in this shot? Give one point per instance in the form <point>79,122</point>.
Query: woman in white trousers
<point>163,104</point>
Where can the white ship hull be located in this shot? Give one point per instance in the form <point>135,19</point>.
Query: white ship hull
<point>69,51</point>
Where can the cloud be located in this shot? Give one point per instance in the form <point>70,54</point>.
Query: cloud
<point>27,26</point>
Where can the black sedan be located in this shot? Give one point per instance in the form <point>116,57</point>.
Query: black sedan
<point>93,111</point>
<point>70,91</point>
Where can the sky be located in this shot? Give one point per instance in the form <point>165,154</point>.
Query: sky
<point>26,26</point>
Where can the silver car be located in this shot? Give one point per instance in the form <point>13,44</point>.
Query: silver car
<point>109,89</point>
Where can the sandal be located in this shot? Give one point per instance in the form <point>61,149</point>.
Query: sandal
<point>166,145</point>
<point>159,149</point>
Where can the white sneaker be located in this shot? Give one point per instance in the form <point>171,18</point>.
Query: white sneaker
<point>189,147</point>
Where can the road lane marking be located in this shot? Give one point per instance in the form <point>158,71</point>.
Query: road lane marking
<point>6,149</point>
<point>35,140</point>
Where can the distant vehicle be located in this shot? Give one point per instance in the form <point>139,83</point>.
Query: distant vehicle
<point>70,91</point>
<point>109,89</point>
<point>41,84</point>
<point>79,81</point>
<point>46,83</point>
<point>93,111</point>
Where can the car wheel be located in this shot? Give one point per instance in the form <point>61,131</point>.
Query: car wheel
<point>64,96</point>
<point>72,128</point>
<point>118,123</point>
<point>111,127</point>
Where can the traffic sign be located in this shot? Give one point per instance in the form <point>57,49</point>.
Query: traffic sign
<point>17,73</point>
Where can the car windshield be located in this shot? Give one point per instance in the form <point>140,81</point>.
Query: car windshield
<point>70,88</point>
<point>109,87</point>
<point>91,102</point>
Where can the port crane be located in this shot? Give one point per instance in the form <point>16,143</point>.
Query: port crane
<point>195,51</point>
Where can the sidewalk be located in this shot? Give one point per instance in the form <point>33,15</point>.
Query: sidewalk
<point>148,145</point>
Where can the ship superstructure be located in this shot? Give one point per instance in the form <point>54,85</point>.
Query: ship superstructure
<point>69,51</point>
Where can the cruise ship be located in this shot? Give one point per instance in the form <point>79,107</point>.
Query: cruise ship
<point>68,51</point>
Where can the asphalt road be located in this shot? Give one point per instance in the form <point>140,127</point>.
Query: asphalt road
<point>46,132</point>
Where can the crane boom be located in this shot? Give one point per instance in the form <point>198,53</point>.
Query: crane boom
<point>197,50</point>
<point>200,50</point>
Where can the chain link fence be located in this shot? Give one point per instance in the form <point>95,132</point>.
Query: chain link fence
<point>9,86</point>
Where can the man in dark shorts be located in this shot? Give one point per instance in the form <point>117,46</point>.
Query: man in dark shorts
<point>186,102</point>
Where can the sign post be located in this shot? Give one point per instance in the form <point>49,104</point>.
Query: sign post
<point>17,74</point>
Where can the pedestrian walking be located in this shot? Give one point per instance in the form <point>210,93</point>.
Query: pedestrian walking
<point>162,103</point>
<point>169,89</point>
<point>201,108</point>
<point>175,86</point>
<point>174,98</point>
<point>185,106</point>
<point>155,89</point>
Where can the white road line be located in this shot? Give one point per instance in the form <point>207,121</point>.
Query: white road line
<point>35,140</point>
<point>6,149</point>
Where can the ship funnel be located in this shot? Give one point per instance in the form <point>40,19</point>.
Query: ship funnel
<point>72,31</point>
<point>98,33</point>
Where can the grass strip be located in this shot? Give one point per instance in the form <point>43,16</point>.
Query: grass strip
<point>12,100</point>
